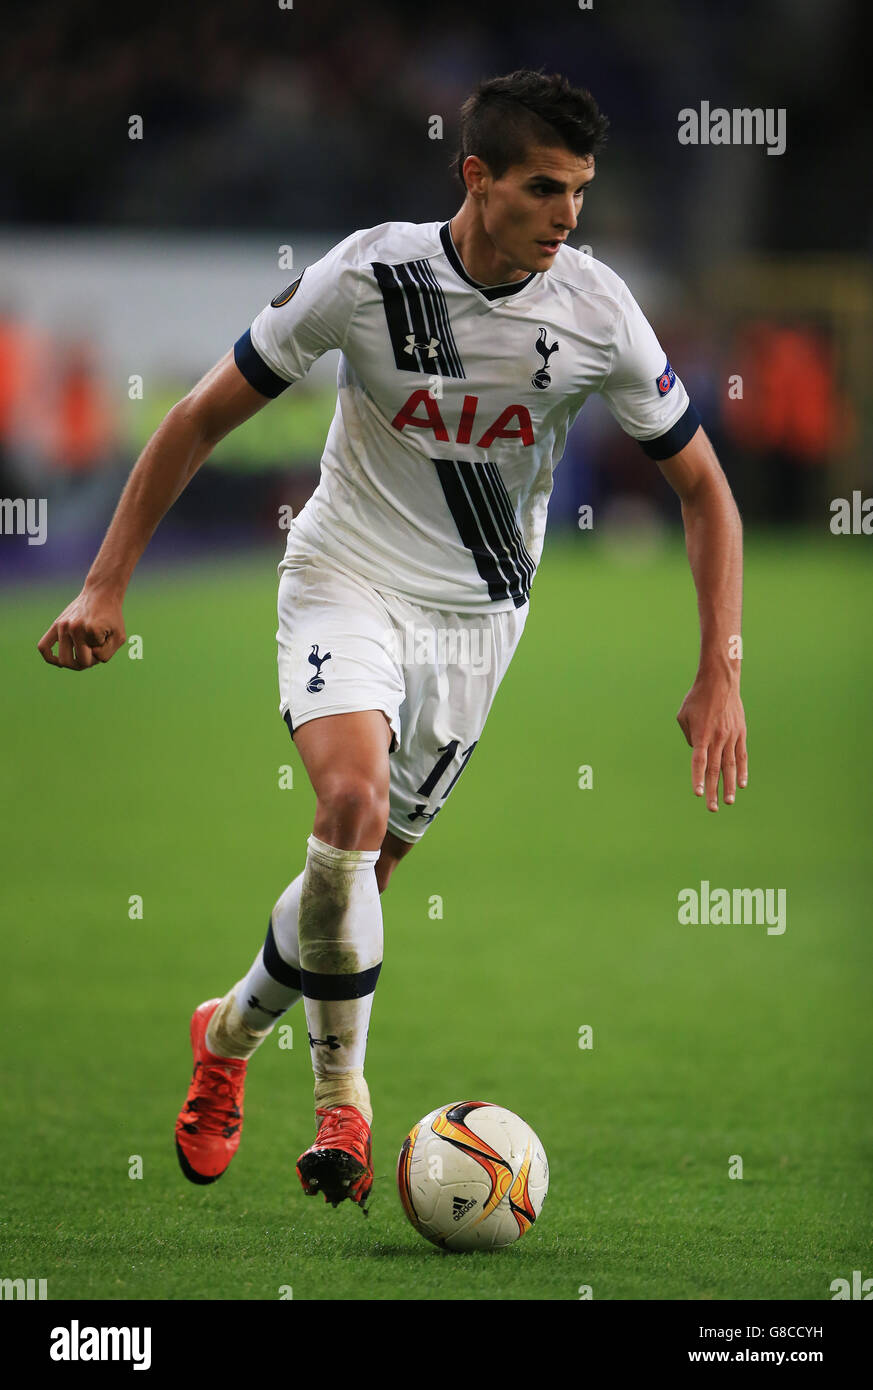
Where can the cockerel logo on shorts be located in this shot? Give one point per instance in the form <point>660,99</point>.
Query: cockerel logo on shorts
<point>317,683</point>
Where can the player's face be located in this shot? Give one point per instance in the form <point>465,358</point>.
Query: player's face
<point>535,205</point>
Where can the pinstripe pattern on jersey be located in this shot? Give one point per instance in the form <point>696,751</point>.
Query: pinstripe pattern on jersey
<point>415,304</point>
<point>486,522</point>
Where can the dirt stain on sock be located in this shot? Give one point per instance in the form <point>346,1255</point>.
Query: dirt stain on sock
<point>324,904</point>
<point>231,1036</point>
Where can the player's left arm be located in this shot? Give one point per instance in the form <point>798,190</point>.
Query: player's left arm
<point>712,716</point>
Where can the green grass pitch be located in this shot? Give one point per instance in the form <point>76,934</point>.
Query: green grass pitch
<point>160,777</point>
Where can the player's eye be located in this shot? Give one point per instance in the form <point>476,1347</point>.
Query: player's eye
<point>542,191</point>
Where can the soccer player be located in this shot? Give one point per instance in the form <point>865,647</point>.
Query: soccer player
<point>467,348</point>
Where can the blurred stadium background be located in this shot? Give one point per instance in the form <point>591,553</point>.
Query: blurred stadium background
<point>266,128</point>
<point>263,128</point>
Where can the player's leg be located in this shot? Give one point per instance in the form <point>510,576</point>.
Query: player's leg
<point>341,688</point>
<point>207,1133</point>
<point>340,936</point>
<point>345,758</point>
<point>272,985</point>
<point>254,1005</point>
<point>346,761</point>
<point>324,617</point>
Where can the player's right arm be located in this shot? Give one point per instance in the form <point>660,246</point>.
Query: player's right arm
<point>91,628</point>
<point>310,316</point>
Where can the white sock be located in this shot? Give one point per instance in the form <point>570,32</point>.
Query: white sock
<point>248,1013</point>
<point>340,952</point>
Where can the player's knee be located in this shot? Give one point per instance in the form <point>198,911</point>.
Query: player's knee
<point>352,807</point>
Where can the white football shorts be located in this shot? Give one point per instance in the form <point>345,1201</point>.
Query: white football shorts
<point>346,646</point>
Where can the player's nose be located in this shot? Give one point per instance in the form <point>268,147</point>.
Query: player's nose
<point>567,216</point>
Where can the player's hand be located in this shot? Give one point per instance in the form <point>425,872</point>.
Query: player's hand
<point>89,631</point>
<point>714,724</point>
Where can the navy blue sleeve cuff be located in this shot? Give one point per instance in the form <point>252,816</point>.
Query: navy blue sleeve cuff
<point>676,437</point>
<point>255,369</point>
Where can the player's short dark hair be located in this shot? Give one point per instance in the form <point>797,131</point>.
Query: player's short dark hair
<point>503,116</point>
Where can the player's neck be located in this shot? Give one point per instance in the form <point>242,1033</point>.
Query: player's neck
<point>478,255</point>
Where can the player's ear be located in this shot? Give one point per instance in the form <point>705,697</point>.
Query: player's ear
<point>475,173</point>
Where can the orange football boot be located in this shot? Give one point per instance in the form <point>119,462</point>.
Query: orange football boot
<point>339,1163</point>
<point>210,1122</point>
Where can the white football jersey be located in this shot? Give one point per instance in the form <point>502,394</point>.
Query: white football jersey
<point>453,405</point>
